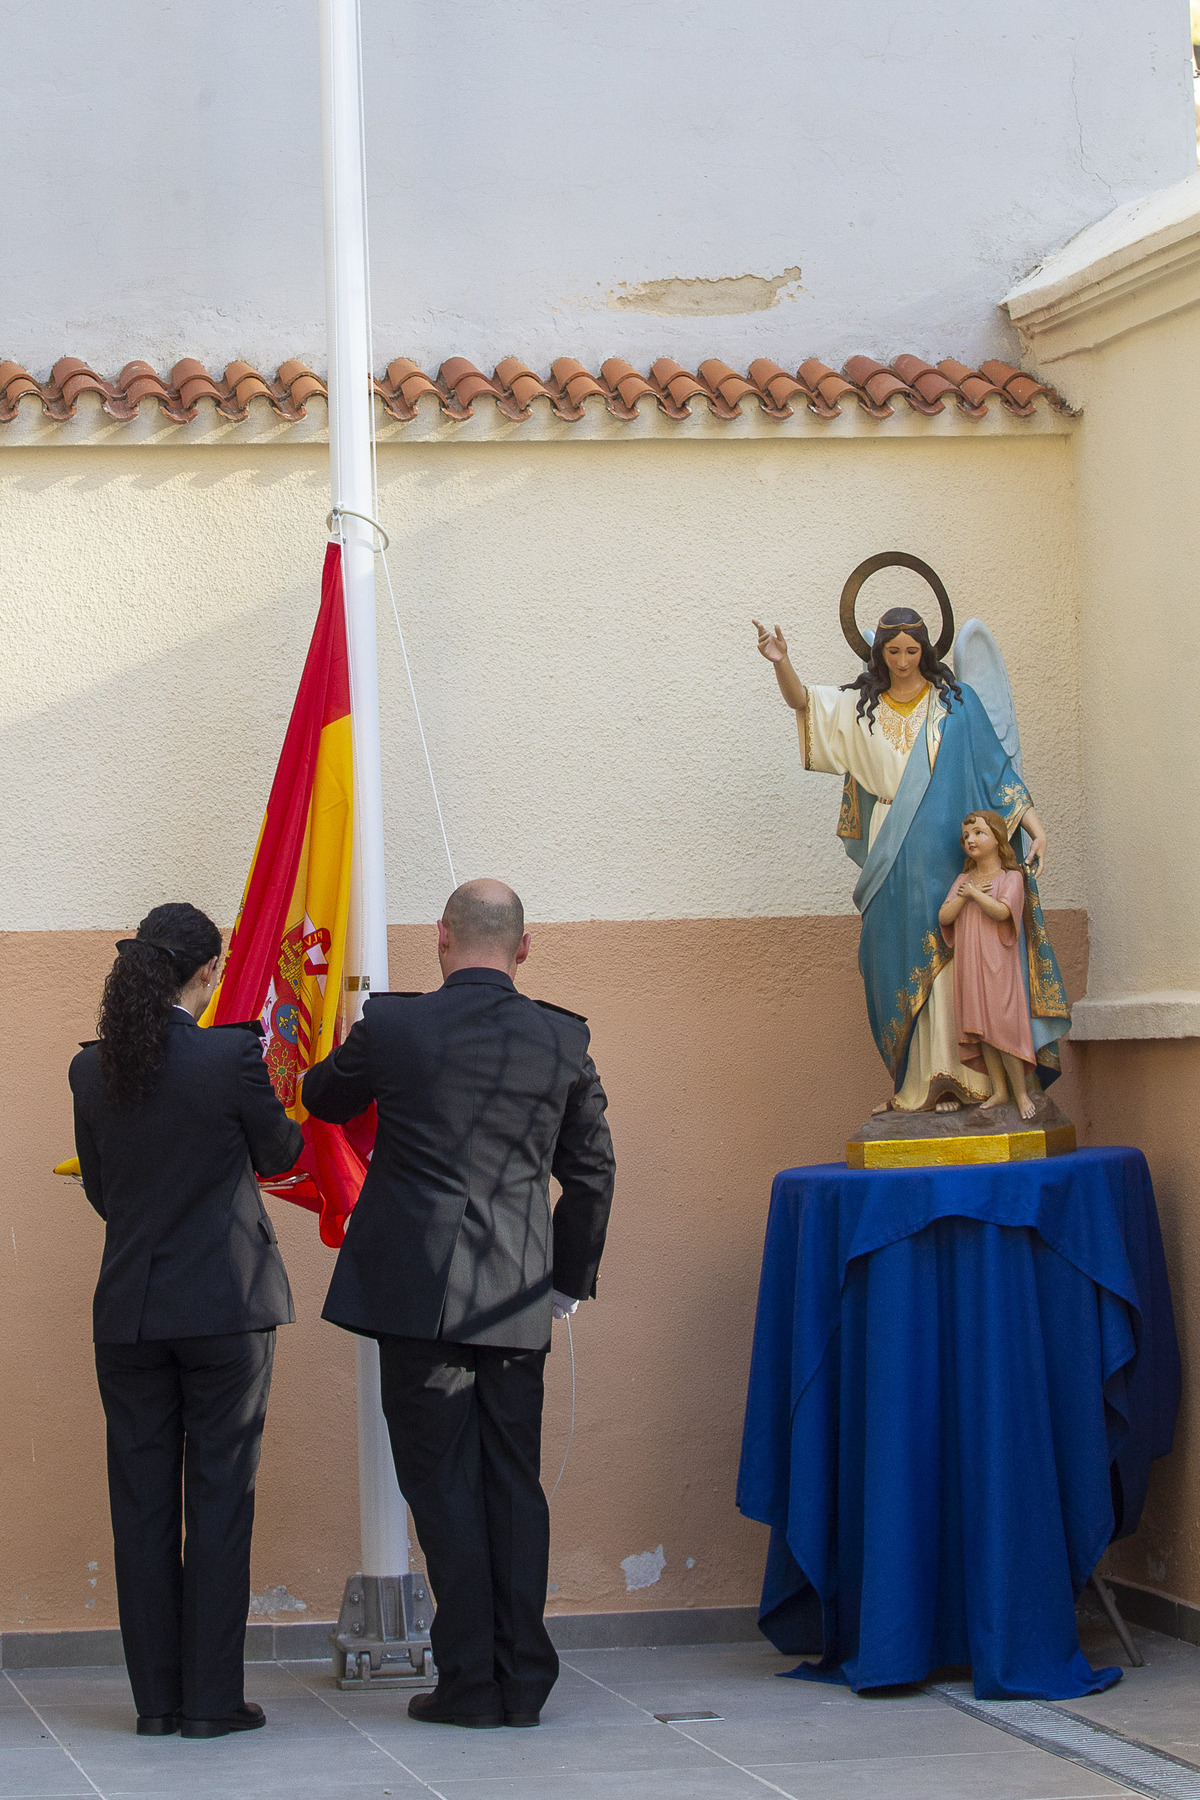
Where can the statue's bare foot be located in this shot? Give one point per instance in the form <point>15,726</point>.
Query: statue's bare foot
<point>998,1098</point>
<point>1026,1107</point>
<point>884,1106</point>
<point>948,1103</point>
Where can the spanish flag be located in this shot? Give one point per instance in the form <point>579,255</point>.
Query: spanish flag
<point>286,961</point>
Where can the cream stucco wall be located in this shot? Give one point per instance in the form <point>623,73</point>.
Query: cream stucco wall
<point>1138,455</point>
<point>603,732</point>
<point>1114,323</point>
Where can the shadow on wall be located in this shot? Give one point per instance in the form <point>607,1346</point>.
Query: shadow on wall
<point>116,805</point>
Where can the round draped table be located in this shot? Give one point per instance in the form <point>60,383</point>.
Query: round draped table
<point>959,1379</point>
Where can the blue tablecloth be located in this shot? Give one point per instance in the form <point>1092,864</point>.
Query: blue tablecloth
<point>960,1377</point>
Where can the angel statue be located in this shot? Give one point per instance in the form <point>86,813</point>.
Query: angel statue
<point>920,748</point>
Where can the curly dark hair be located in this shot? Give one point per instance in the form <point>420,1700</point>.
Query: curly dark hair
<point>143,985</point>
<point>876,678</point>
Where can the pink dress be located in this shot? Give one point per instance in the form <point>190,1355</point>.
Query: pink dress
<point>989,988</point>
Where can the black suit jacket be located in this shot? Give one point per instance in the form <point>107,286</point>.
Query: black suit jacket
<point>189,1250</point>
<point>482,1094</point>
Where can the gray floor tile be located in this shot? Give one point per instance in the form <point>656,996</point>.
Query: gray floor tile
<point>243,1767</point>
<point>442,1753</point>
<point>294,1787</point>
<point>715,1783</point>
<point>780,1701</point>
<point>265,1680</point>
<point>21,1730</point>
<point>46,1770</point>
<point>48,1686</point>
<point>583,1705</point>
<point>1019,1774</point>
<point>668,1681</point>
<point>812,1741</point>
<point>11,1699</point>
<point>88,1728</point>
<point>849,1735</point>
<point>681,1662</point>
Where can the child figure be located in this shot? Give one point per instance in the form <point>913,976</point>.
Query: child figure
<point>981,920</point>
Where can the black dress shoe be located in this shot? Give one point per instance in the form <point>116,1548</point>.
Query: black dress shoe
<point>157,1725</point>
<point>430,1711</point>
<point>522,1720</point>
<point>248,1717</point>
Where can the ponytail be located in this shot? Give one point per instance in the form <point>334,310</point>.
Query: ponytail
<point>143,986</point>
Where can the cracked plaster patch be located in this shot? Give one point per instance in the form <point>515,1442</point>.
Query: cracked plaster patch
<point>643,1571</point>
<point>276,1600</point>
<point>698,296</point>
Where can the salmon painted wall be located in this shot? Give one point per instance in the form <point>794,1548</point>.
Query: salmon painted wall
<point>1148,1094</point>
<point>730,1048</point>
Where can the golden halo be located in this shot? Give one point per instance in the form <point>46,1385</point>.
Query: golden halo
<point>892,559</point>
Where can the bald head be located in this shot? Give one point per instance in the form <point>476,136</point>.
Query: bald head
<point>484,923</point>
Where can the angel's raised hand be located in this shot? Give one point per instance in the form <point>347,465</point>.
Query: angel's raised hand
<point>771,644</point>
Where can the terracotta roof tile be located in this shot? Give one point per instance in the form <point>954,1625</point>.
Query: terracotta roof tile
<point>974,390</point>
<point>1018,390</point>
<point>194,383</point>
<point>576,385</point>
<point>828,389</point>
<point>877,389</point>
<point>731,387</point>
<point>882,385</point>
<point>925,380</point>
<point>776,388</point>
<point>626,385</point>
<point>403,386</point>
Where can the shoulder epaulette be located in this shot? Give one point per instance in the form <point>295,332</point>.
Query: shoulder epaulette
<point>399,994</point>
<point>564,1010</point>
<point>88,1043</point>
<point>252,1025</point>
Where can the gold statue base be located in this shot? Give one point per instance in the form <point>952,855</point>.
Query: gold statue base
<point>926,1140</point>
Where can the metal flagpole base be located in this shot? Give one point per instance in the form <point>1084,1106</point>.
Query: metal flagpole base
<point>381,1638</point>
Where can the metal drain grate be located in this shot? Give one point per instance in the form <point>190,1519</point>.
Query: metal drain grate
<point>1153,1772</point>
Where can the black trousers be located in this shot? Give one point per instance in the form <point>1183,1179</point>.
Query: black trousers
<point>465,1421</point>
<point>185,1421</point>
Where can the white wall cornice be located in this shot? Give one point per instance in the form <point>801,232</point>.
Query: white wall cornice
<point>93,428</point>
<point>1166,1013</point>
<point>1138,264</point>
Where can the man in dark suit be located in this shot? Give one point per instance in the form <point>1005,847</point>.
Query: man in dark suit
<point>454,1262</point>
<point>191,1288</point>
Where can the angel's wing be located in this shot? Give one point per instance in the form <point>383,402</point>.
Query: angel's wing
<point>978,661</point>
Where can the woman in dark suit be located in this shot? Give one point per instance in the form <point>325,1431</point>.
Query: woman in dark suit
<point>171,1123</point>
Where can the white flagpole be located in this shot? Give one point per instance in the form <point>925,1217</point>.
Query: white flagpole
<point>382,1511</point>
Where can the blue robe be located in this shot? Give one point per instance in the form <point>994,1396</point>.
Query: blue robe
<point>908,871</point>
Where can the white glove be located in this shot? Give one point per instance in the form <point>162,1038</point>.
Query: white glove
<point>564,1306</point>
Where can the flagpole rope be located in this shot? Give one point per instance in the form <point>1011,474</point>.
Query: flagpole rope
<point>334,523</point>
<point>417,714</point>
<point>348,512</point>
